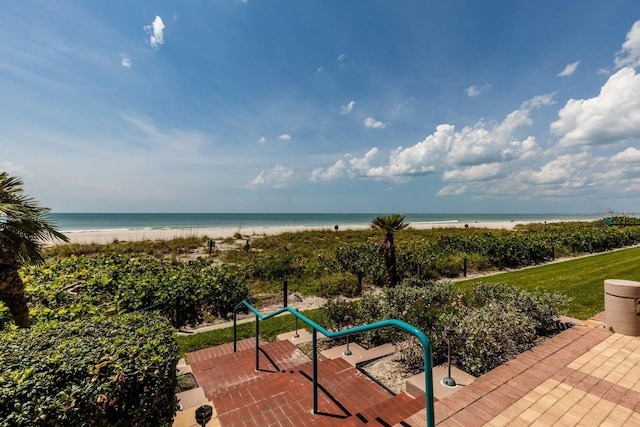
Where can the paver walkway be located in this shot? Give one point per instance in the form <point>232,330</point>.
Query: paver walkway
<point>584,376</point>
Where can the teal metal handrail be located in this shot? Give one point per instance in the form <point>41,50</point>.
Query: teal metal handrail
<point>426,347</point>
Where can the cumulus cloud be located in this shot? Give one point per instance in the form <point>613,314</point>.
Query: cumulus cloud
<point>285,137</point>
<point>346,109</point>
<point>471,153</point>
<point>629,55</point>
<point>156,32</point>
<point>262,140</point>
<point>278,177</point>
<point>474,91</point>
<point>349,166</point>
<point>569,69</point>
<point>342,57</point>
<point>126,62</point>
<point>372,123</point>
<point>610,117</point>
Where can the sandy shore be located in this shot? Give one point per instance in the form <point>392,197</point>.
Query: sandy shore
<point>108,236</point>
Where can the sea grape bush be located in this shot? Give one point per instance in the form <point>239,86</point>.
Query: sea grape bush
<point>98,371</point>
<point>181,291</point>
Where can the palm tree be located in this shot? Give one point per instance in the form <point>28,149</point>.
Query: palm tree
<point>24,227</point>
<point>389,224</point>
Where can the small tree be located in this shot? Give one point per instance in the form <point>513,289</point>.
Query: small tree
<point>24,227</point>
<point>389,224</point>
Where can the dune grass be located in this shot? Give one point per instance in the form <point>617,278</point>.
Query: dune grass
<point>581,279</point>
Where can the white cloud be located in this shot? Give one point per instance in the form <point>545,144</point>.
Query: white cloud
<point>629,55</point>
<point>12,168</point>
<point>469,153</point>
<point>262,140</point>
<point>278,177</point>
<point>285,137</point>
<point>569,69</point>
<point>610,117</point>
<point>474,91</point>
<point>156,32</point>
<point>350,166</point>
<point>629,156</point>
<point>346,109</point>
<point>126,62</point>
<point>342,57</point>
<point>372,123</point>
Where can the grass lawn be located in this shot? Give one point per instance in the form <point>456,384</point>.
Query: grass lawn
<point>580,279</point>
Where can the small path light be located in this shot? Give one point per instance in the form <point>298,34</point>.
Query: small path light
<point>204,414</point>
<point>448,380</point>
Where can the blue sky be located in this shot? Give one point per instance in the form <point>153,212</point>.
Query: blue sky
<point>323,105</point>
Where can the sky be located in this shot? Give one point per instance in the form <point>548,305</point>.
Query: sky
<point>413,106</point>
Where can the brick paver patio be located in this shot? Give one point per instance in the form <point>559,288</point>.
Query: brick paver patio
<point>584,376</point>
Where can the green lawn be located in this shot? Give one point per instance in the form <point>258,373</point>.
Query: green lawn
<point>580,279</point>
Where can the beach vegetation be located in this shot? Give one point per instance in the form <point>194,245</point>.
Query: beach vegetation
<point>24,227</point>
<point>488,326</point>
<point>99,370</point>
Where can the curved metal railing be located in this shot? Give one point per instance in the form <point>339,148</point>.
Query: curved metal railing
<point>426,346</point>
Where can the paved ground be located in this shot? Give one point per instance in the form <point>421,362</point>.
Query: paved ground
<point>585,376</point>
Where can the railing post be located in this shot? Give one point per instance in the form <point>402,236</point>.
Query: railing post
<point>234,330</point>
<point>428,385</point>
<point>257,343</point>
<point>314,361</point>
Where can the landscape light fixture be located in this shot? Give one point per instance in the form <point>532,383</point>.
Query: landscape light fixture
<point>204,414</point>
<point>448,380</point>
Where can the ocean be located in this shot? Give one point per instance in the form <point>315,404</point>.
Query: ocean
<point>67,222</point>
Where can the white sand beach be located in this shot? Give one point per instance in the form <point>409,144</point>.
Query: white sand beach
<point>108,236</point>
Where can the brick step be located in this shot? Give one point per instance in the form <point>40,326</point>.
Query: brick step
<point>287,397</point>
<point>233,369</point>
<point>195,357</point>
<point>281,393</point>
<point>390,412</point>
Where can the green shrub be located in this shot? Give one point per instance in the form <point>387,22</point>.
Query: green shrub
<point>83,286</point>
<point>224,287</point>
<point>486,337</point>
<point>542,308</point>
<point>101,372</point>
<point>337,284</point>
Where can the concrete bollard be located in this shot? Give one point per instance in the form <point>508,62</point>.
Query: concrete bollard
<point>622,306</point>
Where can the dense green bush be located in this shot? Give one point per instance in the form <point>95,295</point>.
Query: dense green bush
<point>488,336</point>
<point>541,308</point>
<point>79,286</point>
<point>491,325</point>
<point>117,371</point>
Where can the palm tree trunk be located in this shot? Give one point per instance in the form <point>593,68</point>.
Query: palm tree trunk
<point>12,293</point>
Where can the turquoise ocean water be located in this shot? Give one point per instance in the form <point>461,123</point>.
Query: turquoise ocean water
<point>149,221</point>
